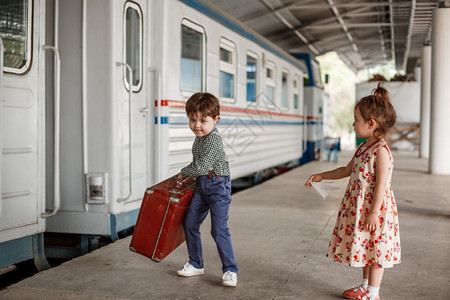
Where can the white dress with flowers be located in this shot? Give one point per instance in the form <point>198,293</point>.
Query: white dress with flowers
<point>350,242</point>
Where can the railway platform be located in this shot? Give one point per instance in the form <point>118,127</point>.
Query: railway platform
<point>280,231</point>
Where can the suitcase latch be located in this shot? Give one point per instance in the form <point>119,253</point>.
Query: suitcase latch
<point>174,199</point>
<point>175,191</point>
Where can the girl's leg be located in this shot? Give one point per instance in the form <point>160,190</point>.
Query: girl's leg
<point>365,281</point>
<point>375,276</point>
<point>366,273</point>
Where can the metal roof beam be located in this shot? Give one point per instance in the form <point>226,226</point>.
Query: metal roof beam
<point>275,9</point>
<point>332,19</point>
<point>353,25</point>
<point>366,14</point>
<point>408,39</point>
<point>321,21</point>
<point>382,41</point>
<point>343,25</point>
<point>348,5</point>
<point>291,27</point>
<point>391,18</point>
<point>373,41</point>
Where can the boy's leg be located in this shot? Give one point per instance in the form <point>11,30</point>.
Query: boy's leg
<point>195,215</point>
<point>219,198</point>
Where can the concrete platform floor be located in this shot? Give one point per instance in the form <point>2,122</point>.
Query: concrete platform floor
<point>280,231</point>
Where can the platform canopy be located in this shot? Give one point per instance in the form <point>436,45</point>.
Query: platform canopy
<point>364,33</point>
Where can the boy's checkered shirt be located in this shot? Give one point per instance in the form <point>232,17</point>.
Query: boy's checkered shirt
<point>208,154</point>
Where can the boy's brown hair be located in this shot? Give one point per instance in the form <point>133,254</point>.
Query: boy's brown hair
<point>205,103</point>
<point>378,106</point>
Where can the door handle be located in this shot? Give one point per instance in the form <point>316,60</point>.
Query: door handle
<point>57,84</point>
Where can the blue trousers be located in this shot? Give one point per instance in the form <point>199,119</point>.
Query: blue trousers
<point>213,195</point>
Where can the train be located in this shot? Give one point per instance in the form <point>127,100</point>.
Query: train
<point>92,111</point>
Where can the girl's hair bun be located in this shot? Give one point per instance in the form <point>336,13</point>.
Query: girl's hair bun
<point>380,96</point>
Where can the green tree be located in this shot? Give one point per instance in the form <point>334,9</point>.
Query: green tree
<point>341,89</point>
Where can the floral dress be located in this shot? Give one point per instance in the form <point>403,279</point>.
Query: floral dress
<point>350,242</point>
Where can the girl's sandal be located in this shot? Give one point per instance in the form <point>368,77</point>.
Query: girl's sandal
<point>354,292</point>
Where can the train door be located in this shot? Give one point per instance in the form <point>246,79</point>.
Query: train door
<point>135,173</point>
<point>105,116</point>
<point>22,213</point>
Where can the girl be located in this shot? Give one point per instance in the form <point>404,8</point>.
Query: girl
<point>366,233</point>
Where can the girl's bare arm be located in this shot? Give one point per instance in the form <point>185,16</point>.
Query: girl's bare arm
<point>333,174</point>
<point>381,175</point>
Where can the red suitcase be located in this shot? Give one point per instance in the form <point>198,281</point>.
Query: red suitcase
<point>159,226</point>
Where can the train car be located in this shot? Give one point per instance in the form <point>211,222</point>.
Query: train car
<point>125,140</point>
<point>315,107</point>
<point>22,92</point>
<point>127,69</point>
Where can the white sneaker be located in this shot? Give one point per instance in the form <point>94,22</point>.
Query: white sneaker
<point>229,278</point>
<point>189,270</point>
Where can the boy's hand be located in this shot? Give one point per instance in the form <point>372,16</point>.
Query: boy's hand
<point>181,179</point>
<point>313,178</point>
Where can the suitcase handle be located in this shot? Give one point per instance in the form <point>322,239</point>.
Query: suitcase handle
<point>180,187</point>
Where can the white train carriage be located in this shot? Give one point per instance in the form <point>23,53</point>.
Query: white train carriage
<point>115,142</point>
<point>127,69</point>
<point>22,81</point>
<point>259,86</point>
<point>315,107</point>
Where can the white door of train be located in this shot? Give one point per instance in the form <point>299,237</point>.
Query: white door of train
<point>22,119</point>
<point>133,93</point>
<point>1,119</point>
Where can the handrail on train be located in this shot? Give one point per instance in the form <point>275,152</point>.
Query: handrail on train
<point>130,92</point>
<point>56,86</point>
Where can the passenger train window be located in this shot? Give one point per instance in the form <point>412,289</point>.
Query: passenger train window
<point>15,31</point>
<point>252,76</point>
<point>227,66</point>
<point>192,58</point>
<point>133,44</point>
<point>284,89</point>
<point>270,83</point>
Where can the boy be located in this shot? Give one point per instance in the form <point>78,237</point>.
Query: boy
<point>212,189</point>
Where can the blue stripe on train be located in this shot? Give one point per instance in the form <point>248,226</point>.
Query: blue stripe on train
<point>237,120</point>
<point>164,120</point>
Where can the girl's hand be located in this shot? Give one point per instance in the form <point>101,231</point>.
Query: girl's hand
<point>313,178</point>
<point>371,222</point>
